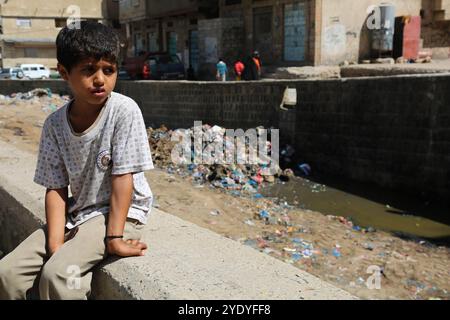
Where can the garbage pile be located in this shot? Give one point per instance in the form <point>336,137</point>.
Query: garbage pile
<point>44,97</point>
<point>212,169</point>
<point>285,241</point>
<point>350,224</point>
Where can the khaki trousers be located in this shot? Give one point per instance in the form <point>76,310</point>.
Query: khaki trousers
<point>68,273</point>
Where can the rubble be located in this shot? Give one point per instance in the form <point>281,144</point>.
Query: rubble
<point>48,101</point>
<point>237,178</point>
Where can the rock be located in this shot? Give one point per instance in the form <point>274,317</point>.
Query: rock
<point>368,246</point>
<point>385,61</point>
<point>318,72</point>
<point>270,179</point>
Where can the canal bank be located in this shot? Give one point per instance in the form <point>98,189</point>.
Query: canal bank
<point>368,206</point>
<point>328,247</point>
<point>393,132</point>
<point>178,264</point>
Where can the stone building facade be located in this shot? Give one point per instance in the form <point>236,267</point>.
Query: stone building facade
<point>285,32</point>
<point>28,29</point>
<point>165,26</point>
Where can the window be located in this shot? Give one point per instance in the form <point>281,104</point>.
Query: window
<point>60,22</point>
<point>41,68</point>
<point>116,24</point>
<point>232,2</point>
<point>34,69</point>
<point>23,23</point>
<point>31,52</point>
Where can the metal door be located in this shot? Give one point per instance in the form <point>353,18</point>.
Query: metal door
<point>295,32</point>
<point>172,39</point>
<point>193,50</point>
<point>262,33</point>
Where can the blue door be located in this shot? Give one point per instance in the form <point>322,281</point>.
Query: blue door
<point>295,32</point>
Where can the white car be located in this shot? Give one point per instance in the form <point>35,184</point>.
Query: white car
<point>35,71</point>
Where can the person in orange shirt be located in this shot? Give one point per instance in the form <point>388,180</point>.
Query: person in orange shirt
<point>238,69</point>
<point>257,60</point>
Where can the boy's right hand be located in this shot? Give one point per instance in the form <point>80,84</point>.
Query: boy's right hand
<point>129,248</point>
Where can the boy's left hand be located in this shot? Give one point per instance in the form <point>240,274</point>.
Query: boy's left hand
<point>129,248</point>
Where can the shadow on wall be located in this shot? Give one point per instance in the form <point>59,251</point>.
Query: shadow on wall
<point>364,42</point>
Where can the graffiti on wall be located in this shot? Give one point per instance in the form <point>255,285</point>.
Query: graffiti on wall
<point>334,43</point>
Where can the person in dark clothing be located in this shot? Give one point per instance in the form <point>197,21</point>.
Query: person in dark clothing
<point>250,70</point>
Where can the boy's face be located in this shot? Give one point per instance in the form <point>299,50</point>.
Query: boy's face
<point>91,81</point>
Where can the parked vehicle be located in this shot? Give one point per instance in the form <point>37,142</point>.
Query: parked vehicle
<point>155,66</point>
<point>35,71</point>
<point>11,73</point>
<point>54,75</point>
<point>123,74</point>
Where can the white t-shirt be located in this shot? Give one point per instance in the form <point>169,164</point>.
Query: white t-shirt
<point>116,143</point>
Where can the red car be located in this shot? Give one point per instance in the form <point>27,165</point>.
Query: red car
<point>154,66</point>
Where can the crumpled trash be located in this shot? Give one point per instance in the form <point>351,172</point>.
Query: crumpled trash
<point>250,243</point>
<point>249,223</point>
<point>261,243</point>
<point>263,214</point>
<point>305,168</point>
<point>337,251</point>
<point>296,256</point>
<point>368,246</point>
<point>287,152</point>
<point>286,175</point>
<point>246,178</point>
<point>214,212</point>
<point>44,97</point>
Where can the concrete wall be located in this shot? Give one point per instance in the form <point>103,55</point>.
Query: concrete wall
<point>130,10</point>
<point>436,31</point>
<point>442,9</point>
<point>344,35</point>
<point>157,8</point>
<point>393,132</point>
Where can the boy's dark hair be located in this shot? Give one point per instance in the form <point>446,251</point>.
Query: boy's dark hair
<point>90,40</point>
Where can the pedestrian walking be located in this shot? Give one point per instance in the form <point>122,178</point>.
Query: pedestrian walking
<point>238,69</point>
<point>222,70</point>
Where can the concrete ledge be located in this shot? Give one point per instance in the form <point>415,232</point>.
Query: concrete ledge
<point>184,261</point>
